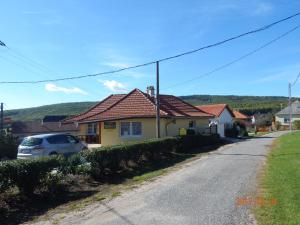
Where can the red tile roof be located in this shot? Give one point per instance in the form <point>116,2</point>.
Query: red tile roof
<point>138,104</point>
<point>98,108</point>
<point>215,109</point>
<point>239,115</point>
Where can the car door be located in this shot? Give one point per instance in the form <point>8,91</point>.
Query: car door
<point>59,144</point>
<point>74,144</point>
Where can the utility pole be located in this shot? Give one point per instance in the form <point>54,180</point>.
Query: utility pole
<point>157,102</point>
<point>290,106</point>
<point>1,119</point>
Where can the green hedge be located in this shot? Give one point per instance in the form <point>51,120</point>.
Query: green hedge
<point>111,159</point>
<point>30,174</point>
<point>8,147</point>
<point>195,141</point>
<point>27,174</point>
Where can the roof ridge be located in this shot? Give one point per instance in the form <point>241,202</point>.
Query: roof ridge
<point>176,109</point>
<point>147,96</point>
<point>121,99</point>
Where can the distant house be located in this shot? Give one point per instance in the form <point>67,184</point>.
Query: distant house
<point>224,116</point>
<point>240,117</point>
<point>49,124</point>
<point>130,117</point>
<point>283,116</point>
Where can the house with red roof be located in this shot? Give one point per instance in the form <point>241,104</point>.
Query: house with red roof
<point>131,117</point>
<point>238,116</point>
<point>224,116</point>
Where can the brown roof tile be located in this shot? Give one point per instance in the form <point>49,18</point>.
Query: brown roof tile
<point>239,115</point>
<point>215,109</point>
<point>138,104</point>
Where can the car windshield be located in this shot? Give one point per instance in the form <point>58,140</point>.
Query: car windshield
<point>30,141</point>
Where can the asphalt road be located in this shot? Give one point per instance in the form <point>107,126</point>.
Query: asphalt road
<point>203,192</point>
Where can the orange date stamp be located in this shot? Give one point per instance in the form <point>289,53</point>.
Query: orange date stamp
<point>256,201</point>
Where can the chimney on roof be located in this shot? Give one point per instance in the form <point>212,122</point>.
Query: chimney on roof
<point>150,91</point>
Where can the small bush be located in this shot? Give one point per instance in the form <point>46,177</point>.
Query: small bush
<point>231,132</point>
<point>190,132</point>
<point>188,142</point>
<point>27,174</point>
<point>277,125</point>
<point>296,124</point>
<point>112,159</point>
<point>8,147</point>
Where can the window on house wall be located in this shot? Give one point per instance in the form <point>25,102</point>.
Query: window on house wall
<point>125,128</point>
<point>136,128</point>
<point>286,120</point>
<point>192,124</point>
<point>92,128</point>
<point>131,129</point>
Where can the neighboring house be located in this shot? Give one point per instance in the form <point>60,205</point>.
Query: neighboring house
<point>132,117</point>
<point>23,129</point>
<point>224,116</point>
<point>240,117</point>
<point>283,116</point>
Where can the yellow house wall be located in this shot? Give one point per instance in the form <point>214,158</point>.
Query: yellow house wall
<point>112,136</point>
<point>83,129</point>
<point>173,128</point>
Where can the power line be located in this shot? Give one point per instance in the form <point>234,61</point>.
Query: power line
<point>293,84</point>
<point>237,60</point>
<point>34,66</point>
<point>153,62</point>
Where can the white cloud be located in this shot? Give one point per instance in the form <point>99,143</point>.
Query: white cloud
<point>116,65</point>
<point>114,85</point>
<point>54,88</point>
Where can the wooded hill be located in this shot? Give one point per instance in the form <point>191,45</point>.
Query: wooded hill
<point>246,104</point>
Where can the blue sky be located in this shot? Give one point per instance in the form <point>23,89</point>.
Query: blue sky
<point>66,38</point>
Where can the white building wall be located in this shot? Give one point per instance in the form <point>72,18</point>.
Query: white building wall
<point>280,118</point>
<point>225,119</point>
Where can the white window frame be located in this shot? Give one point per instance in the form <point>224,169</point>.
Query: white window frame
<point>130,129</point>
<point>94,128</point>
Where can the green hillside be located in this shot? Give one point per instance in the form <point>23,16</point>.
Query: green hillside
<point>37,113</point>
<point>246,104</point>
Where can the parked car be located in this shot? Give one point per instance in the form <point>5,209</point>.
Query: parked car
<point>49,144</point>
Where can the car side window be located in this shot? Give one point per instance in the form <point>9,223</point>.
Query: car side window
<point>58,139</point>
<point>72,139</point>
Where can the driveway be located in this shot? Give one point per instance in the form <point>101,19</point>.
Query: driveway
<point>205,191</point>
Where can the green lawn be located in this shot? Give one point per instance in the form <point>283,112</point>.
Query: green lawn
<point>281,181</point>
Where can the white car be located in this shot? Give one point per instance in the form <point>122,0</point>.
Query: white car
<point>49,144</point>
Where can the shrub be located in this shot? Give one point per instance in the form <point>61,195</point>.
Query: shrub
<point>48,173</point>
<point>111,159</point>
<point>27,174</point>
<point>75,164</point>
<point>190,132</point>
<point>296,124</point>
<point>277,125</point>
<point>231,132</point>
<point>188,142</point>
<point>8,147</point>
